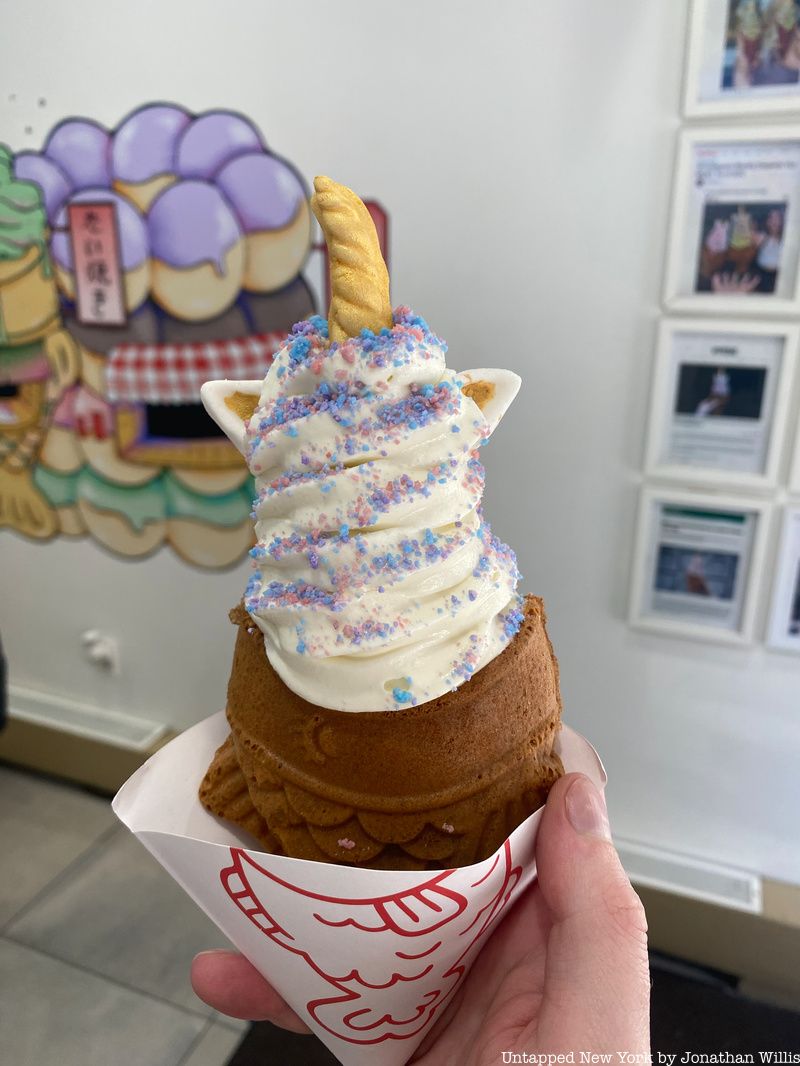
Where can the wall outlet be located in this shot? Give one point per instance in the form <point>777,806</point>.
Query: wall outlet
<point>102,650</point>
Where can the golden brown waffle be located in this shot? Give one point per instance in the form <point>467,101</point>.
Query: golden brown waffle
<point>439,785</point>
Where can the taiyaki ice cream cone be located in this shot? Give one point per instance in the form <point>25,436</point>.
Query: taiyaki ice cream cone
<point>715,248</point>
<point>393,700</point>
<point>750,29</point>
<point>785,18</point>
<point>742,246</point>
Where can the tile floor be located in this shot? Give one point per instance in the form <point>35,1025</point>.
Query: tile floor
<point>95,941</point>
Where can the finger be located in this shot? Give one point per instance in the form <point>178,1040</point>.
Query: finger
<point>227,982</point>
<point>510,966</point>
<point>597,982</point>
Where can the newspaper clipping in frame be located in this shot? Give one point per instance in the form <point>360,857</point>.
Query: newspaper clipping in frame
<point>784,624</point>
<point>698,562</point>
<point>742,233</point>
<point>722,390</point>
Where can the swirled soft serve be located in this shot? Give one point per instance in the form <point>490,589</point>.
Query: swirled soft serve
<point>378,581</point>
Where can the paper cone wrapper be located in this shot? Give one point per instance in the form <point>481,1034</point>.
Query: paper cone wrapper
<point>368,958</point>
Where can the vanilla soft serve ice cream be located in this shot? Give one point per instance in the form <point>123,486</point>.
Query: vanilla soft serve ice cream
<point>378,582</point>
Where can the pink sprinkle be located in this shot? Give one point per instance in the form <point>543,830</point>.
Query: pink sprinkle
<point>345,843</point>
<point>448,828</point>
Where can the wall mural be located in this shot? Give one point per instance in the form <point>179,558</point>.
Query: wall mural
<point>136,264</point>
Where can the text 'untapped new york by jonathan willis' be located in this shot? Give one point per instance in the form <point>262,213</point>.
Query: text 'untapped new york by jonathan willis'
<point>643,1058</point>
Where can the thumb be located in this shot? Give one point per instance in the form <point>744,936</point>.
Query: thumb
<point>597,980</point>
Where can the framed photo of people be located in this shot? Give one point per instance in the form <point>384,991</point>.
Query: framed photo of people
<point>697,563</point>
<point>743,58</point>
<point>734,242</point>
<point>783,632</point>
<point>721,397</point>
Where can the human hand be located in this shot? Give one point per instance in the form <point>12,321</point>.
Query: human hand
<point>733,283</point>
<point>566,970</point>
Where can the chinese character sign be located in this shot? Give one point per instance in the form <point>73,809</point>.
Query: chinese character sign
<point>95,252</point>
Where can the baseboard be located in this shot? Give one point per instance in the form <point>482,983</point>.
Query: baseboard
<point>760,950</point>
<point>87,761</point>
<point>80,719</point>
<point>685,875</point>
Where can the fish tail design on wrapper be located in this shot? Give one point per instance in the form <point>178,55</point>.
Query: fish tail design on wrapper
<point>369,959</point>
<point>393,700</point>
<point>359,278</point>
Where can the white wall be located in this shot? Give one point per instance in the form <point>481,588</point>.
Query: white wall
<point>525,152</point>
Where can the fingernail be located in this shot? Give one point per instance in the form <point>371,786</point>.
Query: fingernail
<point>586,809</point>
<point>212,951</point>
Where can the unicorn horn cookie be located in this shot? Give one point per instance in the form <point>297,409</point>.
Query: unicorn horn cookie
<point>393,699</point>
<point>359,278</point>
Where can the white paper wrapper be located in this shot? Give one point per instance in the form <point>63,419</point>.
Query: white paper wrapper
<point>368,958</point>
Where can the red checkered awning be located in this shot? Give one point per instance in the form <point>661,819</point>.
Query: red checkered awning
<point>173,373</point>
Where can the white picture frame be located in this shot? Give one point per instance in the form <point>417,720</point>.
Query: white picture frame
<point>708,66</point>
<point>794,472</point>
<point>684,612</point>
<point>707,207</point>
<point>783,627</point>
<point>740,450</point>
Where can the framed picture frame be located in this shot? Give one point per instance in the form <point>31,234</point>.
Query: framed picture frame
<point>794,472</point>
<point>783,628</point>
<point>697,564</point>
<point>721,397</point>
<point>734,244</point>
<point>743,58</point>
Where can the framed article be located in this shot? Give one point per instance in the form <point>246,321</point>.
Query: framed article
<point>735,239</point>
<point>784,619</point>
<point>744,58</point>
<point>697,563</point>
<point>721,395</point>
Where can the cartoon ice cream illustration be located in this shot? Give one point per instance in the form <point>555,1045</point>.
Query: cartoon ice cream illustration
<point>80,148</point>
<point>37,360</point>
<point>212,140</point>
<point>143,152</point>
<point>272,209</point>
<point>198,250</point>
<point>53,183</point>
<point>28,298</point>
<point>212,231</point>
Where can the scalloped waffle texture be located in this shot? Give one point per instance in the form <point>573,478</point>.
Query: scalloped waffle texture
<point>439,785</point>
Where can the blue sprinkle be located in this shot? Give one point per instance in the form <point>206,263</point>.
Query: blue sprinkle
<point>401,695</point>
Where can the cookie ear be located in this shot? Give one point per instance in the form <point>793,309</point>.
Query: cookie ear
<point>492,390</point>
<point>231,404</point>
